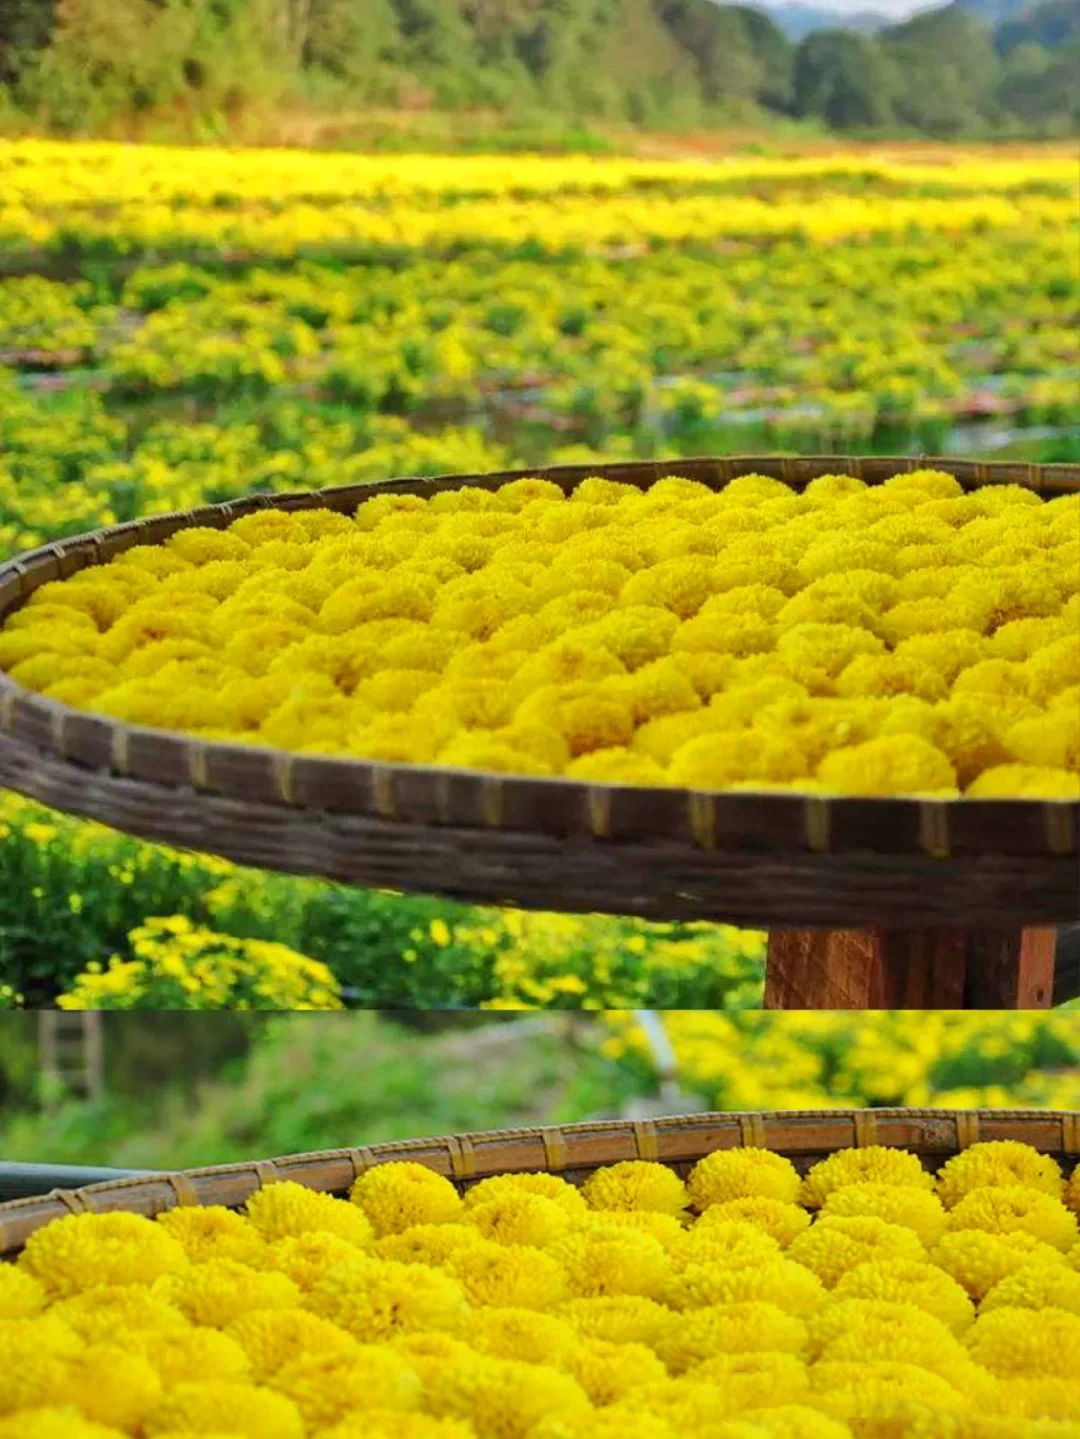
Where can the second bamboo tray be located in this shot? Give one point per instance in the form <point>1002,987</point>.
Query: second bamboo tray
<point>573,1151</point>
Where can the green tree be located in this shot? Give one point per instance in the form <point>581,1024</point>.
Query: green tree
<point>948,71</point>
<point>113,55</point>
<point>26,28</point>
<point>356,42</point>
<point>717,38</point>
<point>776,55</point>
<point>844,79</point>
<point>1038,88</point>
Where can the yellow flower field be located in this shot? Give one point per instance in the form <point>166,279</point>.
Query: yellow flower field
<point>180,326</point>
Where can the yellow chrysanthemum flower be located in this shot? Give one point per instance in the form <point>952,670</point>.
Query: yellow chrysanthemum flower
<point>502,1398</point>
<point>1004,1209</point>
<point>1016,1341</point>
<point>978,1260</point>
<point>910,1281</point>
<point>999,1163</point>
<point>519,1219</point>
<point>779,1219</point>
<point>510,1275</point>
<point>872,1164</point>
<point>305,1258</point>
<point>397,1195</point>
<point>613,1260</point>
<point>218,1406</point>
<point>188,1355</point>
<point>378,1299</point>
<point>621,1318</point>
<point>1072,1190</point>
<point>327,1386</point>
<point>82,1251</point>
<point>635,1185</point>
<point>213,1232</point>
<point>269,1339</point>
<point>522,1334</point>
<point>709,1280</point>
<point>761,1377</point>
<point>916,1209</point>
<point>611,1424</point>
<point>902,764</point>
<point>53,1423</point>
<point>109,1386</point>
<point>608,1371</point>
<point>831,1247</point>
<point>1024,781</point>
<point>97,1313</point>
<point>730,1329</point>
<point>548,1186</point>
<point>21,1295</point>
<point>717,761</point>
<point>730,1174</point>
<point>218,1291</point>
<point>287,1209</point>
<point>394,1424</point>
<point>1055,1401</point>
<point>1036,1287</point>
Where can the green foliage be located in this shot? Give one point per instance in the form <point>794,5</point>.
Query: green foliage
<point>844,79</point>
<point>947,69</point>
<point>1039,86</point>
<point>1052,24</point>
<point>81,65</point>
<point>73,895</point>
<point>313,1082</point>
<point>320,1081</point>
<point>25,29</point>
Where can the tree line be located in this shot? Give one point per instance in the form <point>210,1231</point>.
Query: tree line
<point>80,65</point>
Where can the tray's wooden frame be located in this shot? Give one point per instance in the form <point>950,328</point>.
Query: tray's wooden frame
<point>573,1151</point>
<point>907,874</point>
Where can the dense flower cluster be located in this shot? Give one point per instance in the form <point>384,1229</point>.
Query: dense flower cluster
<point>79,894</point>
<point>945,1059</point>
<point>906,638</point>
<point>175,965</point>
<point>749,1302</point>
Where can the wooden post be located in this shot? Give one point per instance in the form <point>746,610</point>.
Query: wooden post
<point>910,969</point>
<point>72,1053</point>
<point>1010,970</point>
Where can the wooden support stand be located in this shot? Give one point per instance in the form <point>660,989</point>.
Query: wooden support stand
<point>910,969</point>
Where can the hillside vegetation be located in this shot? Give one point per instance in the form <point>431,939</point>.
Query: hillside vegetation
<point>203,65</point>
<point>252,1087</point>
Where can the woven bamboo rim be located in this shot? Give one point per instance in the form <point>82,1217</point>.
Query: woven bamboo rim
<point>573,1150</point>
<point>547,843</point>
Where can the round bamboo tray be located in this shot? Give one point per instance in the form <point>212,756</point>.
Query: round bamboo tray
<point>573,1151</point>
<point>787,861</point>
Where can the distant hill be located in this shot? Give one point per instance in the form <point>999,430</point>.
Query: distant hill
<point>1016,22</point>
<point>1053,24</point>
<point>994,12</point>
<point>797,21</point>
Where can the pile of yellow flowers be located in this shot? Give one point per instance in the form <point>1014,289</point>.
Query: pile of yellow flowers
<point>870,1298</point>
<point>906,638</point>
